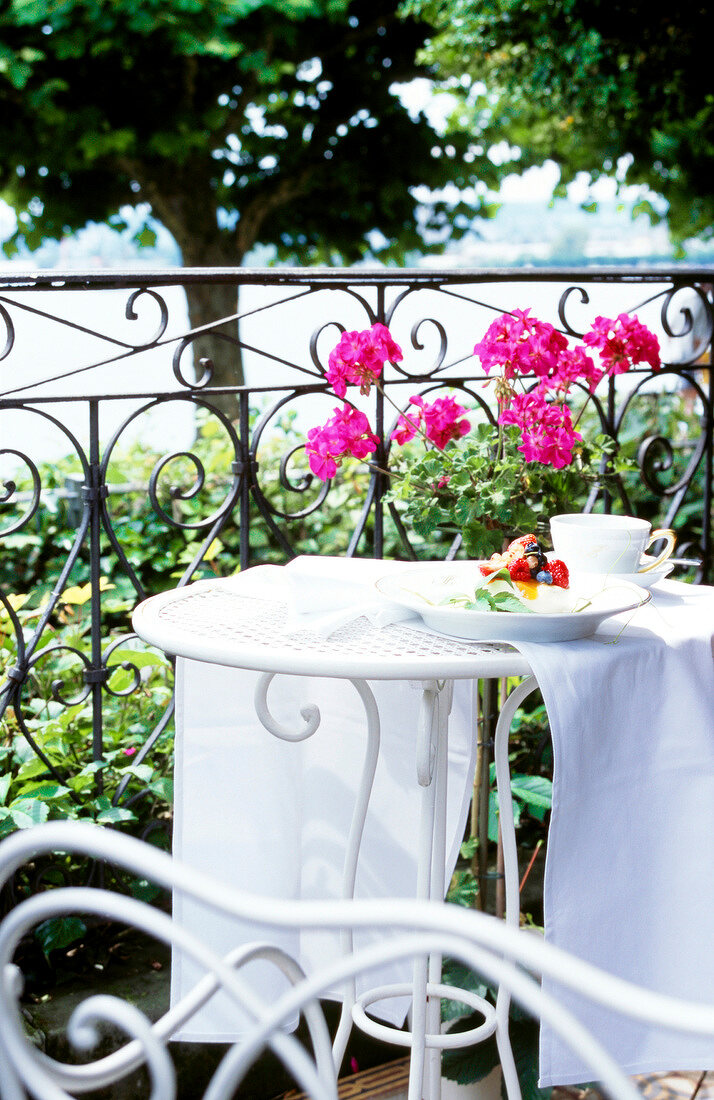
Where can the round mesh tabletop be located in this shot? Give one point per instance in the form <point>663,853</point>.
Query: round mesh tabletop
<point>225,622</point>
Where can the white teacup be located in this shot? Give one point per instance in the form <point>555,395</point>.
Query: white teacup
<point>607,544</point>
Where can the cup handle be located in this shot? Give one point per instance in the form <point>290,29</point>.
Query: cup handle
<point>660,534</point>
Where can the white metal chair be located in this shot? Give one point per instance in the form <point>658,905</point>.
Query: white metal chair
<point>508,956</point>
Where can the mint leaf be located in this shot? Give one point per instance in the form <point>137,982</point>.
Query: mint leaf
<point>504,601</point>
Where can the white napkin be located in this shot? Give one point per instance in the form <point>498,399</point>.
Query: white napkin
<point>272,817</point>
<point>323,593</point>
<point>630,866</point>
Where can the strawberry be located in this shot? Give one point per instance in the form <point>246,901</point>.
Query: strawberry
<point>559,572</point>
<point>494,563</point>
<point>519,570</point>
<point>520,543</point>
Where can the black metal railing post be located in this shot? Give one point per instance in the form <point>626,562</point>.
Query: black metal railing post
<point>96,675</point>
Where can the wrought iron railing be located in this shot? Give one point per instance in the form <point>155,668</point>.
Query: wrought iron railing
<point>90,359</point>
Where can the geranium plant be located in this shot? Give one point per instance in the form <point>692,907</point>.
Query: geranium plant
<point>488,482</point>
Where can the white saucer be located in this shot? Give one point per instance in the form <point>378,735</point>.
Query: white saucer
<point>644,580</point>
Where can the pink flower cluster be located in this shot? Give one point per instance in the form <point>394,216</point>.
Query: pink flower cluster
<point>517,344</point>
<point>547,433</point>
<point>347,432</point>
<point>623,343</point>
<point>440,421</point>
<point>359,358</point>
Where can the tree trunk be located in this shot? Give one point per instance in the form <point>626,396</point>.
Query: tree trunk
<point>202,245</point>
<point>207,304</point>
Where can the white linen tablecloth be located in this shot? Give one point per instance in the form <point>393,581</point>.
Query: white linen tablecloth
<point>629,882</point>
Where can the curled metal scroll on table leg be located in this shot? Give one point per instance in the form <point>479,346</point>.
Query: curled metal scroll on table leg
<point>309,713</point>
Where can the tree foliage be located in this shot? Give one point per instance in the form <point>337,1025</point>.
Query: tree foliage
<point>233,123</point>
<point>237,121</point>
<point>587,83</point>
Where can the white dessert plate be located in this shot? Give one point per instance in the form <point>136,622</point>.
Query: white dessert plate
<point>421,588</point>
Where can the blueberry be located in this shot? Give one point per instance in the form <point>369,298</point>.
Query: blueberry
<point>544,577</point>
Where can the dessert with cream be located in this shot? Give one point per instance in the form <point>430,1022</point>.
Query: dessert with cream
<point>520,579</point>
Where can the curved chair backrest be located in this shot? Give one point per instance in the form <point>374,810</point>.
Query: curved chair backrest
<point>511,957</point>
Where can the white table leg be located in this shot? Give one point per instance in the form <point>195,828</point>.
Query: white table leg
<point>510,869</point>
<point>432,770</point>
<point>424,1037</point>
<point>311,717</point>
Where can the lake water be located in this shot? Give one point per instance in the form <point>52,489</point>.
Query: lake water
<point>52,357</point>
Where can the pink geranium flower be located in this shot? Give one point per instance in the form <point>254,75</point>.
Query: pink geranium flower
<point>551,439</point>
<point>444,421</point>
<point>575,365</point>
<point>547,432</point>
<point>359,357</point>
<point>623,343</point>
<point>516,343</point>
<point>347,432</point>
<point>440,421</point>
<point>409,423</point>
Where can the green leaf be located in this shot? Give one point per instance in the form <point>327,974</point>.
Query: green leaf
<point>106,814</point>
<point>143,772</point>
<point>473,1063</point>
<point>463,889</point>
<point>504,601</point>
<point>144,891</point>
<point>146,238</point>
<point>27,813</point>
<point>524,1035</point>
<point>534,790</point>
<point>47,790</point>
<point>139,658</point>
<point>114,815</point>
<point>58,932</point>
<point>163,788</point>
<point>469,847</point>
<point>494,811</point>
<point>459,976</point>
<point>493,816</point>
<point>34,766</point>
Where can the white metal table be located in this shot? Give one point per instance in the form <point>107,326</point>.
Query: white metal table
<point>221,622</point>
